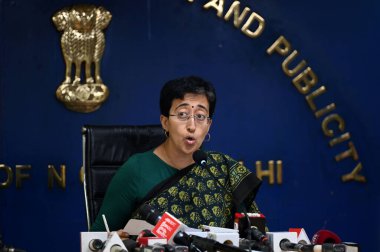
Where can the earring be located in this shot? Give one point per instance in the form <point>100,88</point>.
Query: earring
<point>208,139</point>
<point>166,133</point>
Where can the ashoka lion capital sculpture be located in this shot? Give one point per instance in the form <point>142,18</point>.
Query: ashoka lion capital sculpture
<point>82,42</point>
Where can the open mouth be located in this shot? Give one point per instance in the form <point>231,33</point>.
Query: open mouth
<point>190,140</point>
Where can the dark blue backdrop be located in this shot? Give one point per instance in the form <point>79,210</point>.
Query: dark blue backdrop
<point>259,115</point>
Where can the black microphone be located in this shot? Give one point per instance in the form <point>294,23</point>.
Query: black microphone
<point>180,238</point>
<point>212,245</point>
<point>184,239</point>
<point>286,245</point>
<point>329,247</point>
<point>173,248</point>
<point>200,158</point>
<point>152,248</point>
<point>253,244</point>
<point>145,233</point>
<point>328,241</point>
<point>117,248</point>
<point>161,223</point>
<point>96,245</point>
<point>149,214</point>
<point>130,244</point>
<point>167,247</point>
<point>259,236</point>
<point>195,243</point>
<point>200,244</point>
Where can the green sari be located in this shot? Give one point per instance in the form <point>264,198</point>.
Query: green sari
<point>206,196</point>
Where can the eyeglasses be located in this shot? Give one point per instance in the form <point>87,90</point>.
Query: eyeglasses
<point>199,118</point>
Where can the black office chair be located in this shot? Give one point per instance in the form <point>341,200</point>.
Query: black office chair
<point>105,149</point>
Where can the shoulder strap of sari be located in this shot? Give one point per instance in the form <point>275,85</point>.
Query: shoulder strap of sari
<point>244,184</point>
<point>247,189</point>
<point>165,184</point>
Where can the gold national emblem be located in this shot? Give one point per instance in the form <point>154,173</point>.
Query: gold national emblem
<point>82,42</point>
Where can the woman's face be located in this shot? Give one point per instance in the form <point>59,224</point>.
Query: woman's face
<point>186,134</point>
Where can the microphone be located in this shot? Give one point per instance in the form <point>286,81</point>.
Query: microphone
<point>200,158</point>
<point>173,248</point>
<point>145,233</point>
<point>149,214</point>
<point>252,244</point>
<point>329,247</point>
<point>146,237</point>
<point>181,248</point>
<point>167,247</point>
<point>117,248</point>
<point>212,245</point>
<point>130,244</point>
<point>286,245</point>
<point>201,244</point>
<point>325,236</point>
<point>152,248</point>
<point>166,226</point>
<point>96,245</point>
<point>326,241</point>
<point>114,244</point>
<point>256,233</point>
<point>184,239</point>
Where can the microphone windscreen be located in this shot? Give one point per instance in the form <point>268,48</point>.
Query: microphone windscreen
<point>130,244</point>
<point>95,244</point>
<point>145,233</point>
<point>149,214</point>
<point>182,238</point>
<point>325,236</point>
<point>199,156</point>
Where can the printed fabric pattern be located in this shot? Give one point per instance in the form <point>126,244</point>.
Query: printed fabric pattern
<point>198,197</point>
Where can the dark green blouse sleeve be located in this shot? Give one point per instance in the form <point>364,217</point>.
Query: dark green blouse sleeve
<point>120,198</point>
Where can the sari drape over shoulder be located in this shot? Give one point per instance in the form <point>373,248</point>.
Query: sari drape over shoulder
<point>206,196</point>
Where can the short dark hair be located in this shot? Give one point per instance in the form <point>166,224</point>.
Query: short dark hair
<point>178,88</point>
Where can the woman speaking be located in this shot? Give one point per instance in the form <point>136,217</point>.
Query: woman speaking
<point>169,180</point>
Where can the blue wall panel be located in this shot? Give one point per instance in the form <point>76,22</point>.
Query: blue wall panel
<point>259,116</point>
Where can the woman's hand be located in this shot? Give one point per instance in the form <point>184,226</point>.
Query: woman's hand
<point>122,234</point>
